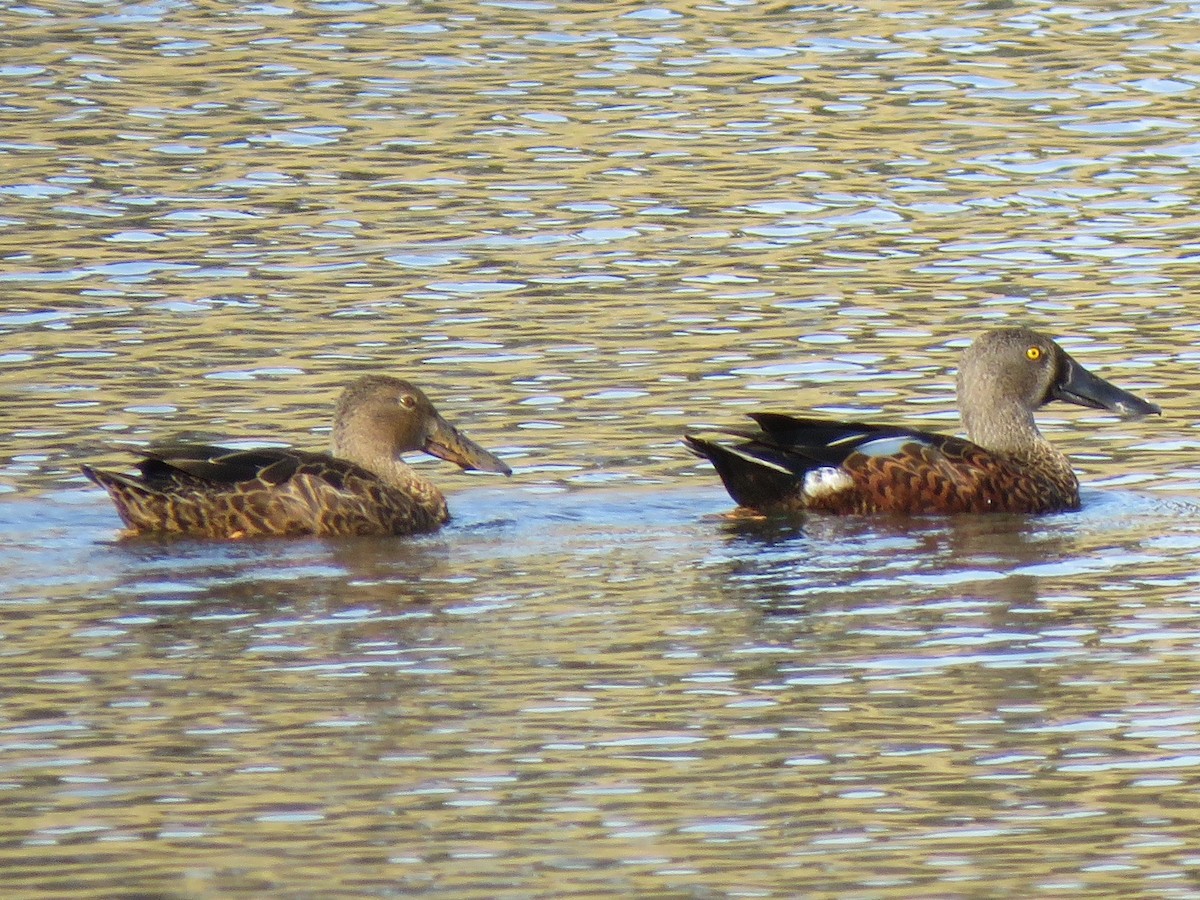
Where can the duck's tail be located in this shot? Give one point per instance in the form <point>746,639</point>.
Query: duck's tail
<point>754,474</point>
<point>128,494</point>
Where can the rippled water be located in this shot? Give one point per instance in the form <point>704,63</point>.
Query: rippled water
<point>583,228</point>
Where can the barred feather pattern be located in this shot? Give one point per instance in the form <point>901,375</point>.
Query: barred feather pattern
<point>283,493</point>
<point>955,477</point>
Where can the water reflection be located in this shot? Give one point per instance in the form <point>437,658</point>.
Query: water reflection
<point>935,678</point>
<point>873,556</point>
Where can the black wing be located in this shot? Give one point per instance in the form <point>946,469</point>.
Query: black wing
<point>169,465</point>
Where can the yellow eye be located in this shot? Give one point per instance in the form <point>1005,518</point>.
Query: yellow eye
<point>1033,353</point>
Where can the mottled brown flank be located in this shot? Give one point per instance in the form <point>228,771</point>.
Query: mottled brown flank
<point>956,477</point>
<point>289,493</point>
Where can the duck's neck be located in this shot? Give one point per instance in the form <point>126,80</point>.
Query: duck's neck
<point>1007,428</point>
<point>368,454</point>
<point>396,474</point>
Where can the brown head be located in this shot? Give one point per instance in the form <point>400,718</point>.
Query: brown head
<point>378,418</point>
<point>1008,373</point>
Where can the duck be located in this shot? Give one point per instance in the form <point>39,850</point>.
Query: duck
<point>791,464</point>
<point>362,487</point>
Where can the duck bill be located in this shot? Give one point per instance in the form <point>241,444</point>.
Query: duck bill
<point>448,443</point>
<point>1079,386</point>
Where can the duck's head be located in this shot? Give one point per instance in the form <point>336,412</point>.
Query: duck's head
<point>381,417</point>
<point>1008,373</point>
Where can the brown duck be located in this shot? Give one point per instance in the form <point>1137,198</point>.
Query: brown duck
<point>361,488</point>
<point>791,464</point>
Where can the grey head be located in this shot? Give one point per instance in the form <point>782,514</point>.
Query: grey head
<point>1008,373</point>
<point>378,418</point>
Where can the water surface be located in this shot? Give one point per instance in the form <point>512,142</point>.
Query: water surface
<point>583,230</point>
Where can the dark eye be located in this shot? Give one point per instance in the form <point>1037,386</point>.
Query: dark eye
<point>408,401</point>
<point>1033,354</point>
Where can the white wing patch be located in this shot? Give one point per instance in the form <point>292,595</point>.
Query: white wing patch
<point>825,481</point>
<point>887,446</point>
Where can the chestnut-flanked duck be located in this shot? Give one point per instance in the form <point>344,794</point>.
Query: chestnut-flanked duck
<point>791,464</point>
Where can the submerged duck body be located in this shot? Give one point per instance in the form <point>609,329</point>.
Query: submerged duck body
<point>361,488</point>
<point>791,464</point>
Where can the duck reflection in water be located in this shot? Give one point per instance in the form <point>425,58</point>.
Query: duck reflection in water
<point>841,564</point>
<point>362,488</point>
<point>791,464</point>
